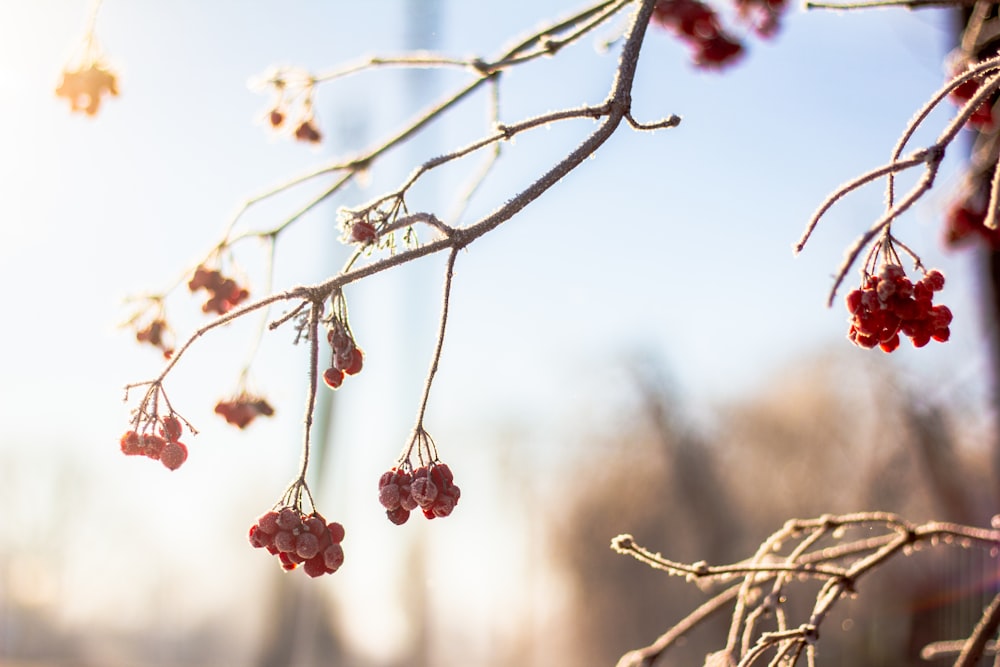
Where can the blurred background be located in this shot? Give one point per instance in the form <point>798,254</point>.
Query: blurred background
<point>639,351</point>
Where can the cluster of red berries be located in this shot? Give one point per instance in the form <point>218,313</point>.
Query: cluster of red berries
<point>431,488</point>
<point>83,87</point>
<point>300,539</point>
<point>966,221</point>
<point>889,304</point>
<point>165,448</point>
<point>346,358</point>
<point>243,409</point>
<point>698,25</point>
<point>157,333</point>
<point>225,292</point>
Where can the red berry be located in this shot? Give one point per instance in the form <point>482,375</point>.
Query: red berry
<point>287,562</point>
<point>406,500</point>
<point>315,566</point>
<point>443,506</point>
<point>171,428</point>
<point>965,90</point>
<point>174,454</point>
<point>306,545</point>
<point>315,524</point>
<point>131,443</point>
<point>284,541</point>
<point>891,344</point>
<point>866,341</point>
<point>441,475</point>
<point>268,522</point>
<point>152,445</point>
<point>941,316</point>
<point>388,477</point>
<point>398,516</point>
<point>357,360</point>
<point>934,280</point>
<point>920,339</point>
<point>260,539</point>
<point>363,232</point>
<point>336,531</point>
<point>853,301</point>
<point>289,519</point>
<point>333,377</point>
<point>276,118</point>
<point>941,334</point>
<point>388,496</point>
<point>333,557</point>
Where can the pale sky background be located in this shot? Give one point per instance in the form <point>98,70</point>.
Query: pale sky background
<point>674,246</point>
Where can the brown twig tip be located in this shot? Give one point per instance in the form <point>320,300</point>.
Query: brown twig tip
<point>623,543</point>
<point>673,120</point>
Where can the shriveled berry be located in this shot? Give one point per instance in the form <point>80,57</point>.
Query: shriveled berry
<point>339,339</point>
<point>424,491</point>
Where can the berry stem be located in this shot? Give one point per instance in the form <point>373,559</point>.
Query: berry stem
<point>315,314</point>
<point>435,359</point>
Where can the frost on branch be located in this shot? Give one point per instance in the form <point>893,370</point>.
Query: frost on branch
<point>419,479</point>
<point>780,597</point>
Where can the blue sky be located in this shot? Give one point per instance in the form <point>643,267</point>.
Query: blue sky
<point>674,245</point>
